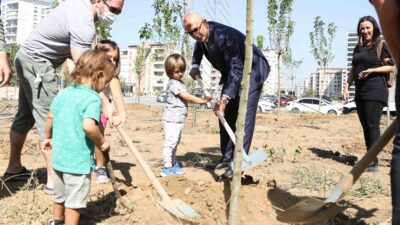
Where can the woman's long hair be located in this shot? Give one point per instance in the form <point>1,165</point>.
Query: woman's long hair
<point>375,27</point>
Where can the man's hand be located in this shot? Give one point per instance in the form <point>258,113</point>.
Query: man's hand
<point>105,147</point>
<point>220,106</point>
<point>5,71</point>
<point>194,73</point>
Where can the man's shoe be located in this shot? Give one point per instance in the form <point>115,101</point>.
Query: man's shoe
<point>101,175</point>
<point>373,167</point>
<point>23,175</point>
<point>221,165</point>
<point>57,222</point>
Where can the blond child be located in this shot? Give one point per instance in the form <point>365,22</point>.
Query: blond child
<point>71,132</point>
<point>175,112</point>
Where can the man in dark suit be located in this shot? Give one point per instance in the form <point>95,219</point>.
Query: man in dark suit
<point>224,47</point>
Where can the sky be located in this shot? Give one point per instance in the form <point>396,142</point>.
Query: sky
<point>344,13</point>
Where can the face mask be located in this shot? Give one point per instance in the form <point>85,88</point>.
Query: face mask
<point>107,18</point>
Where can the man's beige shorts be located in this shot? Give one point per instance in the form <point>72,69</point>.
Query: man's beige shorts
<point>38,85</point>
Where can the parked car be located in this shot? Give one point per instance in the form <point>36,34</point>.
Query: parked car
<point>350,106</point>
<point>283,101</point>
<point>312,105</point>
<point>265,105</point>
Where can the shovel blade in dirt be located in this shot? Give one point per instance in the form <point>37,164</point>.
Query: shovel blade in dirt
<point>185,208</point>
<point>174,206</point>
<point>178,208</point>
<point>309,210</point>
<point>249,161</point>
<point>252,160</point>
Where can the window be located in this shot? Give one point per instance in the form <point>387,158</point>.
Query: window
<point>306,101</point>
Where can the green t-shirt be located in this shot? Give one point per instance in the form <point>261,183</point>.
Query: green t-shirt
<point>72,149</point>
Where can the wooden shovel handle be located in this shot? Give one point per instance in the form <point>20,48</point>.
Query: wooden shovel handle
<point>157,185</point>
<point>347,181</point>
<point>201,84</point>
<point>226,126</point>
<point>113,181</point>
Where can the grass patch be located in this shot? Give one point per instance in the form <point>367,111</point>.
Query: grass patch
<point>367,186</point>
<point>313,178</point>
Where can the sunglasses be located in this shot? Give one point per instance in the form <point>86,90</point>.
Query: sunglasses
<point>112,9</point>
<point>196,30</point>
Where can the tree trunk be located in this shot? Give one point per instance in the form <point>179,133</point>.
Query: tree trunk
<point>320,89</point>
<point>279,85</point>
<point>138,92</point>
<point>237,173</point>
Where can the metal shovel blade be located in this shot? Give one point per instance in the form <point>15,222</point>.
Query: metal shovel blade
<point>178,208</point>
<point>309,210</point>
<point>171,208</point>
<point>252,160</point>
<point>185,208</point>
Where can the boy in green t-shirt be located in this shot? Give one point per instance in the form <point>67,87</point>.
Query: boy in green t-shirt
<point>71,132</point>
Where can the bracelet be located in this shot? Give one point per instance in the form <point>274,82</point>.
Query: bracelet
<point>225,99</point>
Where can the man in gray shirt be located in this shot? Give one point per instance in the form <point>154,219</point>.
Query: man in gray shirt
<point>68,31</point>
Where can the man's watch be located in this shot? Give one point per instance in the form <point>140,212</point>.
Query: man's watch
<point>225,99</point>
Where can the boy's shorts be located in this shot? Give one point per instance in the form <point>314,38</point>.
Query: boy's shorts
<point>38,85</point>
<point>71,189</point>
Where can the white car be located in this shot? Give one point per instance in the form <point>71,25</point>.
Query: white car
<point>312,105</point>
<point>265,105</point>
<point>349,107</point>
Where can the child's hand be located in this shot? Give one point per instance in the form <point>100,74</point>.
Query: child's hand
<point>46,145</point>
<point>207,98</point>
<point>117,121</point>
<point>105,147</point>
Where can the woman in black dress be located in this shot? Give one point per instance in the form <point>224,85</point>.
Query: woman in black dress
<point>368,71</point>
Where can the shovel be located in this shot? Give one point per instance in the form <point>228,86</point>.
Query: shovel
<point>249,161</point>
<point>311,210</point>
<point>114,183</point>
<point>174,206</point>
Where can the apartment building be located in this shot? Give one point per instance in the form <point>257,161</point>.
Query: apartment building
<point>271,85</point>
<point>328,82</point>
<point>351,44</point>
<point>154,80</point>
<point>20,17</point>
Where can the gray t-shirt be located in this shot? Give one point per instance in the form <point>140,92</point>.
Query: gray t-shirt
<point>175,108</point>
<point>69,26</point>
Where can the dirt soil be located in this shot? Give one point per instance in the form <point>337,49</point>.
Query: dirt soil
<point>307,156</point>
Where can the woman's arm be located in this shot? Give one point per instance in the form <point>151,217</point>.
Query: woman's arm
<point>381,69</point>
<point>350,79</point>
<point>116,92</point>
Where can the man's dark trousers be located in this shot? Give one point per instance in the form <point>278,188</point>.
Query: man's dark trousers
<point>231,113</point>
